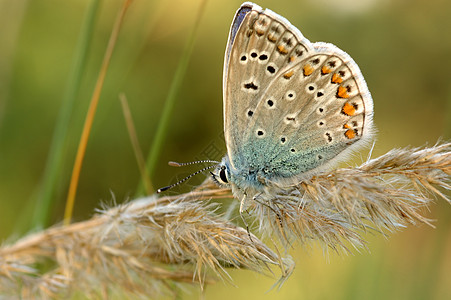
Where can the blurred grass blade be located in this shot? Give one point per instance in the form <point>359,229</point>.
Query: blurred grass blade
<point>45,198</point>
<point>433,265</point>
<point>447,129</point>
<point>91,113</point>
<point>135,143</point>
<point>11,22</point>
<point>157,144</point>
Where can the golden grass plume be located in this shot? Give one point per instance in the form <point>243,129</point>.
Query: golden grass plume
<point>144,247</point>
<point>153,245</point>
<point>385,193</point>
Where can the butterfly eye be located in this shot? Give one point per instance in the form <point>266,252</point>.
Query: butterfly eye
<point>223,176</point>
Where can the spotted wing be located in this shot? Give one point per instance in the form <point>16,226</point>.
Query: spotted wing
<point>290,106</point>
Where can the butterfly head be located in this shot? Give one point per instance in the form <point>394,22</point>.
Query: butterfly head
<point>221,174</point>
<point>242,180</point>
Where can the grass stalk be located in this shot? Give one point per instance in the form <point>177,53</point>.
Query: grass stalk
<point>135,144</point>
<point>50,180</point>
<point>157,143</point>
<point>91,113</point>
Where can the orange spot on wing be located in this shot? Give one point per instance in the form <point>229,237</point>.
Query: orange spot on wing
<point>325,70</point>
<point>272,38</point>
<point>260,32</point>
<point>308,70</point>
<point>288,74</point>
<point>292,58</point>
<point>348,109</point>
<point>336,78</point>
<point>346,126</point>
<point>342,92</point>
<point>282,49</point>
<point>350,134</point>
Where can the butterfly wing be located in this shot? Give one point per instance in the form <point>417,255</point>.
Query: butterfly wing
<point>290,106</point>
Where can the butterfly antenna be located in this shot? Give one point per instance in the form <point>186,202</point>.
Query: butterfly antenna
<point>177,164</point>
<point>183,180</point>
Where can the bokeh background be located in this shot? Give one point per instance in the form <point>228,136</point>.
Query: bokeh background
<point>403,48</point>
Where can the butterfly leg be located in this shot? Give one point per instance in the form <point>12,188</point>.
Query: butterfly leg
<point>242,217</point>
<point>279,218</point>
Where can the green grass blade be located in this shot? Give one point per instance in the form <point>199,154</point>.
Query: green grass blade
<point>157,144</point>
<point>447,129</point>
<point>45,199</point>
<point>135,144</point>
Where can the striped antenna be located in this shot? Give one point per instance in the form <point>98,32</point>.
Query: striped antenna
<point>184,179</point>
<point>177,164</point>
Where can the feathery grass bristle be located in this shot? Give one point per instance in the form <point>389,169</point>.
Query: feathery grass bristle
<point>142,247</point>
<point>154,245</point>
<point>384,193</point>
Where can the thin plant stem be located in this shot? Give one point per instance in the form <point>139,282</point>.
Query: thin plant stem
<point>91,113</point>
<point>157,144</point>
<point>447,129</point>
<point>135,143</point>
<point>11,20</point>
<point>45,199</point>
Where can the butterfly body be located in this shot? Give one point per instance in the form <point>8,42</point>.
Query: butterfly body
<point>292,108</point>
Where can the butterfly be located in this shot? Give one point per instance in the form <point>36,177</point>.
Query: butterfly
<point>292,108</point>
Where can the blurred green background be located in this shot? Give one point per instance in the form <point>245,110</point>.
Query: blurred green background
<point>403,48</point>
